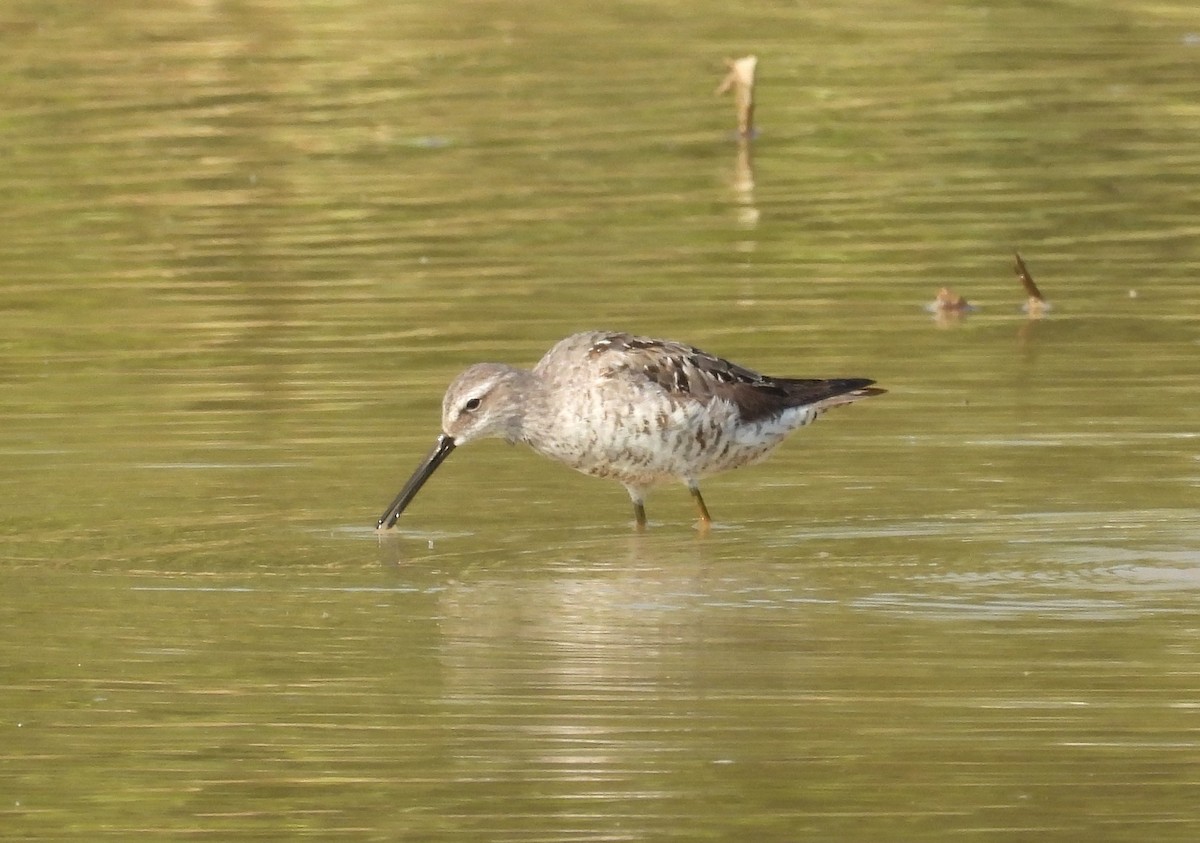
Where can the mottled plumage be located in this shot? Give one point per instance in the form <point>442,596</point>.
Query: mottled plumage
<point>640,411</point>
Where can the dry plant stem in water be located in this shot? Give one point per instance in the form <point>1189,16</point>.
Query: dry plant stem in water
<point>740,79</point>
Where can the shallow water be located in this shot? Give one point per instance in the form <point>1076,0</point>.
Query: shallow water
<point>248,244</point>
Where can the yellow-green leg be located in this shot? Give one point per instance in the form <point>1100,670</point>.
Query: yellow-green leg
<point>639,506</point>
<point>705,518</point>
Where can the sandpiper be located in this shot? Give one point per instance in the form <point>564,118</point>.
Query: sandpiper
<point>637,410</point>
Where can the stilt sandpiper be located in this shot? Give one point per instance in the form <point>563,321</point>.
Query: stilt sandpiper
<point>637,410</point>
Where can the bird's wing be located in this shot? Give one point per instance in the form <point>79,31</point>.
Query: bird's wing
<point>687,373</point>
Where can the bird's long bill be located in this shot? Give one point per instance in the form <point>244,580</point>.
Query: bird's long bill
<point>437,456</point>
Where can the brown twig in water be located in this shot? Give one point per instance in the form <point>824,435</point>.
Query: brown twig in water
<point>740,79</point>
<point>1031,289</point>
<point>948,301</point>
<point>1036,304</point>
<point>949,307</point>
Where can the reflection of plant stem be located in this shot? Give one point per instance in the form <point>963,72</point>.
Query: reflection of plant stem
<point>743,184</point>
<point>740,79</point>
<point>1026,335</point>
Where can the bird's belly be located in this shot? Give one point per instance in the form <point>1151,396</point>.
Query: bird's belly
<point>646,445</point>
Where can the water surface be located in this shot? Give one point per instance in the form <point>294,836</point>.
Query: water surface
<point>248,244</point>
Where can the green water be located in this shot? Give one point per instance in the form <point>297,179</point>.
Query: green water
<point>246,246</point>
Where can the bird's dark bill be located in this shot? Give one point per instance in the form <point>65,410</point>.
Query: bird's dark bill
<point>445,444</point>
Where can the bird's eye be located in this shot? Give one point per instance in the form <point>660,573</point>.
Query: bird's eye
<point>472,404</point>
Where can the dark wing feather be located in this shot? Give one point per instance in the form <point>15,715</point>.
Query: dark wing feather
<point>689,373</point>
